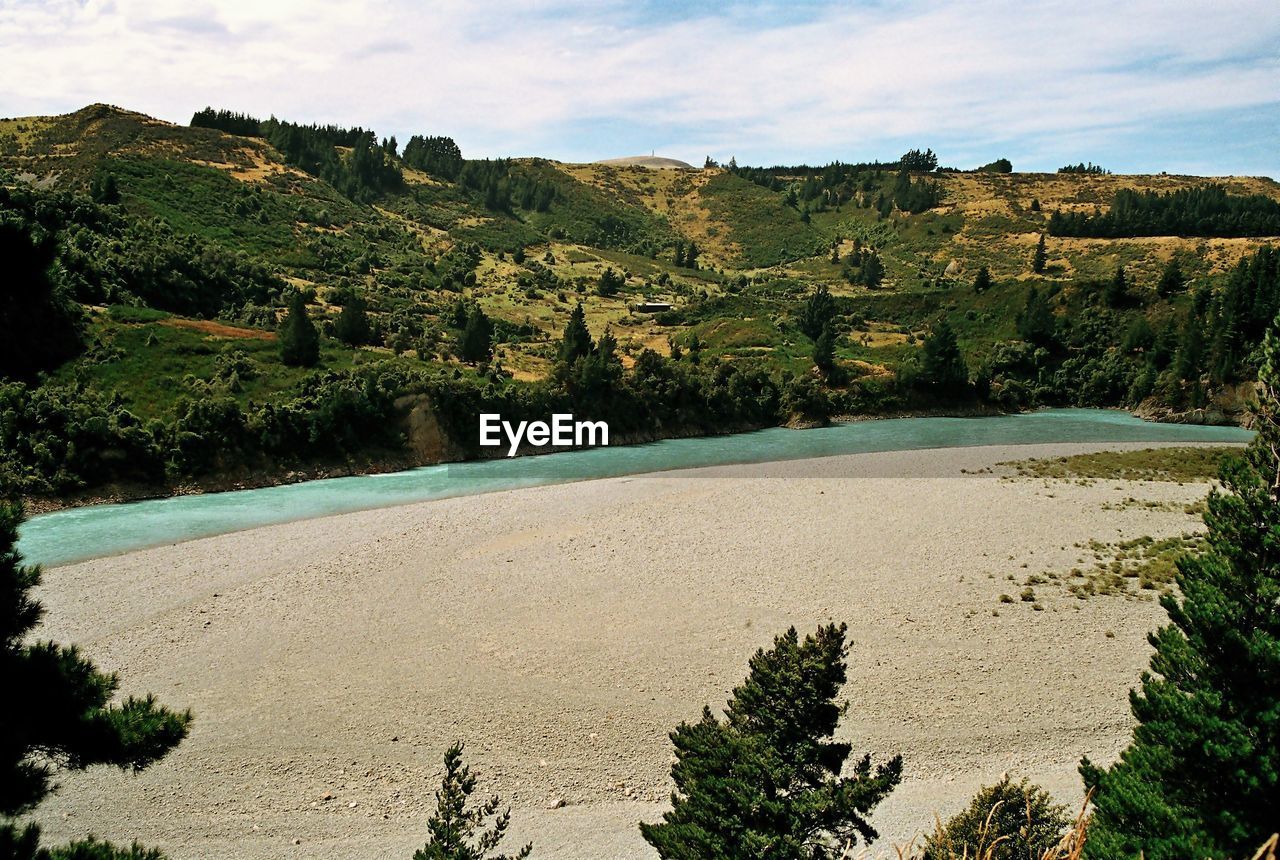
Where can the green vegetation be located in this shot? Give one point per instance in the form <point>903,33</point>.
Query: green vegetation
<point>1199,778</point>
<point>459,831</point>
<point>1006,821</point>
<point>1180,465</point>
<point>1205,211</point>
<point>60,716</point>
<point>766,780</point>
<point>797,293</point>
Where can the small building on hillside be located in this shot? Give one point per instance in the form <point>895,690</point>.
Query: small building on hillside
<point>649,306</point>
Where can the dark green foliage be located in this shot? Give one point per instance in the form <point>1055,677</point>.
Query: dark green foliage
<point>916,195</point>
<point>476,344</point>
<point>610,282</point>
<point>59,714</point>
<point>824,352</point>
<point>1036,324</point>
<point>1000,165</point>
<point>765,780</point>
<point>1116,293</point>
<point>104,189</point>
<point>1039,257</point>
<point>462,831</point>
<point>39,326</point>
<point>108,257</point>
<point>914,159</point>
<point>982,281</point>
<point>1091,168</point>
<point>817,312</point>
<point>942,367</point>
<point>576,342</point>
<point>1201,776</point>
<point>1205,211</point>
<point>352,324</point>
<point>228,121</point>
<point>55,439</point>
<point>299,340</point>
<point>438,156</point>
<point>1006,821</point>
<point>1171,280</point>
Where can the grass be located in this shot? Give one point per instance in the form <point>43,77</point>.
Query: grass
<point>1176,465</point>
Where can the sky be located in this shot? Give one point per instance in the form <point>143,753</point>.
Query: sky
<point>1138,87</point>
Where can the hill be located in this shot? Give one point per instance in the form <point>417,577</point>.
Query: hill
<point>440,284</point>
<point>654,161</point>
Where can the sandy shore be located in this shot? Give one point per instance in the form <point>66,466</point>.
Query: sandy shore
<point>564,631</point>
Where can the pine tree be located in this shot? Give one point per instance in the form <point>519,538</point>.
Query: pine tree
<point>59,712</point>
<point>1116,293</point>
<point>691,256</point>
<point>299,340</point>
<point>871,275</point>
<point>942,366</point>
<point>765,780</point>
<point>982,282</point>
<point>458,832</point>
<point>1201,776</point>
<point>678,259</point>
<point>1171,280</point>
<point>576,342</point>
<point>1040,257</point>
<point>824,351</point>
<point>352,325</point>
<point>1036,324</point>
<point>610,282</point>
<point>817,313</point>
<point>477,337</point>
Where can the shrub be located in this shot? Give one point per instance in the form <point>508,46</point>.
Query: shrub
<point>1006,821</point>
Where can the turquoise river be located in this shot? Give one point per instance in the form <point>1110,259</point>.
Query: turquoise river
<point>88,532</point>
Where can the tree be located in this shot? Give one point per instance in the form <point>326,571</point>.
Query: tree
<point>352,325</point>
<point>40,327</point>
<point>477,337</point>
<point>942,367</point>
<point>871,274</point>
<point>1171,280</point>
<point>576,342</point>
<point>1116,293</point>
<point>678,259</point>
<point>1036,323</point>
<point>459,833</point>
<point>104,189</point>
<point>765,781</point>
<point>1040,257</point>
<point>1006,821</point>
<point>824,352</point>
<point>610,282</point>
<point>1201,775</point>
<point>982,282</point>
<point>691,255</point>
<point>59,713</point>
<point>817,312</point>
<point>299,340</point>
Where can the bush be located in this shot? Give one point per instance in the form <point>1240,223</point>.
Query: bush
<point>1006,821</point>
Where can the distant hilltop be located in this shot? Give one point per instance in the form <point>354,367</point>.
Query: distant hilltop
<point>657,162</point>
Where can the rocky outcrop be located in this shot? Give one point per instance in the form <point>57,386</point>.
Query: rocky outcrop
<point>1231,404</point>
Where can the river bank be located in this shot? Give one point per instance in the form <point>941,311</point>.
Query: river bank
<point>563,631</point>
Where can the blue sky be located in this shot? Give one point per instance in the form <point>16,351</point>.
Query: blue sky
<point>1143,86</point>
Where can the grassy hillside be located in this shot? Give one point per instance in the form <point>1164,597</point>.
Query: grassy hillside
<point>188,259</point>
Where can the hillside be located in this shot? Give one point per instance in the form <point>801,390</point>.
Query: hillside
<point>183,245</point>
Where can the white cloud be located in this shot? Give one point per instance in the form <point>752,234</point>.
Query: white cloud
<point>522,77</point>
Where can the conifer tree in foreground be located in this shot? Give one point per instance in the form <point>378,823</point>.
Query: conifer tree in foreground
<point>56,715</point>
<point>459,833</point>
<point>576,342</point>
<point>299,340</point>
<point>765,781</point>
<point>982,282</point>
<point>1201,776</point>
